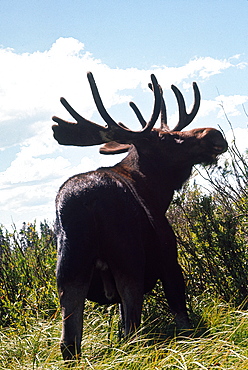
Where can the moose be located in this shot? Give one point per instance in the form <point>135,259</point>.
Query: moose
<point>114,241</point>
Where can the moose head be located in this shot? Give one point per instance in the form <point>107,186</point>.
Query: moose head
<point>119,137</point>
<point>114,241</point>
<point>177,148</point>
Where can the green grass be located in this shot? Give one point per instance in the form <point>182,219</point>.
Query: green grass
<point>222,345</point>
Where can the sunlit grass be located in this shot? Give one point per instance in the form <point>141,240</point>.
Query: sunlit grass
<point>224,344</point>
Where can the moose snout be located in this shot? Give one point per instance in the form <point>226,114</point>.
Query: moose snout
<point>220,144</point>
<point>219,149</point>
<point>215,139</point>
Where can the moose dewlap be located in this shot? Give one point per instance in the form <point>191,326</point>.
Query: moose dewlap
<point>114,241</point>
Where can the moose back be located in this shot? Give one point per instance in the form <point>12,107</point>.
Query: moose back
<point>114,241</point>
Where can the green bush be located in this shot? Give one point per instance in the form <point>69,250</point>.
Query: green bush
<point>212,246</point>
<point>211,225</point>
<point>27,274</point>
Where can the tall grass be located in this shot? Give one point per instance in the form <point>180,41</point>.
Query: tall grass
<point>27,274</point>
<point>223,346</point>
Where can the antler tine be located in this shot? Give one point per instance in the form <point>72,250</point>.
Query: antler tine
<point>163,114</point>
<point>157,103</point>
<point>72,111</point>
<point>184,117</point>
<point>163,123</point>
<point>138,113</point>
<point>155,87</point>
<point>98,101</point>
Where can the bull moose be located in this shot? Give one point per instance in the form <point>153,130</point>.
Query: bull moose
<point>114,241</point>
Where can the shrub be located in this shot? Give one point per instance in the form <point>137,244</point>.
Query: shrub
<point>212,230</point>
<point>27,274</point>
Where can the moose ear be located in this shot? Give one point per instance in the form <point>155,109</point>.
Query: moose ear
<point>113,147</point>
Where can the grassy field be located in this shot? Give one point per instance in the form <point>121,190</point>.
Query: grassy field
<point>220,342</point>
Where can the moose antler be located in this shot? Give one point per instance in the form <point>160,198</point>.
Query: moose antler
<point>85,133</point>
<point>163,124</point>
<point>184,117</point>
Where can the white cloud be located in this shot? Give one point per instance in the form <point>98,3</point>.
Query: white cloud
<point>197,68</point>
<point>230,104</point>
<point>238,136</point>
<point>25,170</point>
<point>31,83</point>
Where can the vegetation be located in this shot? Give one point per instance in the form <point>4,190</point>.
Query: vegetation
<point>223,346</point>
<point>27,275</point>
<point>212,230</point>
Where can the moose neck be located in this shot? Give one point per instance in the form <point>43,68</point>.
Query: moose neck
<point>154,179</point>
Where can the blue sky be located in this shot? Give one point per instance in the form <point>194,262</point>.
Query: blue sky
<point>46,49</point>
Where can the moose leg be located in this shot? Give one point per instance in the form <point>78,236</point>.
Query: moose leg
<point>131,293</point>
<point>74,274</point>
<point>172,279</point>
<point>75,264</point>
<point>174,288</point>
<point>132,306</point>
<point>72,297</point>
